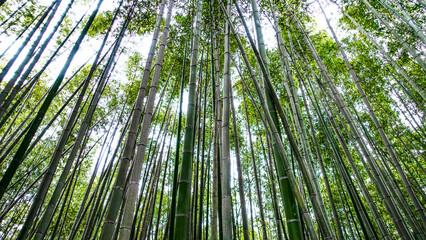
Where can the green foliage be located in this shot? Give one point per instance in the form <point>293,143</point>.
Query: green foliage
<point>22,18</point>
<point>101,24</point>
<point>144,19</point>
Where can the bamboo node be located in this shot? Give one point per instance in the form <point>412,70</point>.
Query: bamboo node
<point>293,220</point>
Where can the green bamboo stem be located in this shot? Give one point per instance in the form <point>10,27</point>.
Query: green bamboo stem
<point>255,171</point>
<point>184,184</point>
<point>9,64</point>
<point>6,89</point>
<point>290,205</point>
<point>45,183</point>
<point>225,150</point>
<point>217,122</point>
<point>325,224</point>
<point>12,92</point>
<point>324,173</point>
<point>170,228</point>
<point>388,145</point>
<point>239,169</point>
<point>406,18</point>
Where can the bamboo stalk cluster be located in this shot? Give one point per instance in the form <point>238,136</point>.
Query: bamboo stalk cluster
<point>215,136</point>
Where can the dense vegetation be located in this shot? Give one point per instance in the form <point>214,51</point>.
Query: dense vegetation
<point>212,120</point>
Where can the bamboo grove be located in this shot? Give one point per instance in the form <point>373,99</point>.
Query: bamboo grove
<point>212,119</point>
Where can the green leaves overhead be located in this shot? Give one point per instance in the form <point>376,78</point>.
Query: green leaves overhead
<point>99,27</point>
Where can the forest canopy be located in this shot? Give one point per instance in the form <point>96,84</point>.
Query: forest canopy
<point>212,119</point>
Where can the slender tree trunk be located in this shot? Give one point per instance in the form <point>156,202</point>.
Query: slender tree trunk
<point>13,14</point>
<point>171,225</point>
<point>33,81</point>
<point>389,147</point>
<point>225,150</point>
<point>30,53</point>
<point>239,169</point>
<point>184,184</point>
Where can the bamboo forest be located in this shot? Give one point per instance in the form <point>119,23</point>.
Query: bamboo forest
<point>212,119</point>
